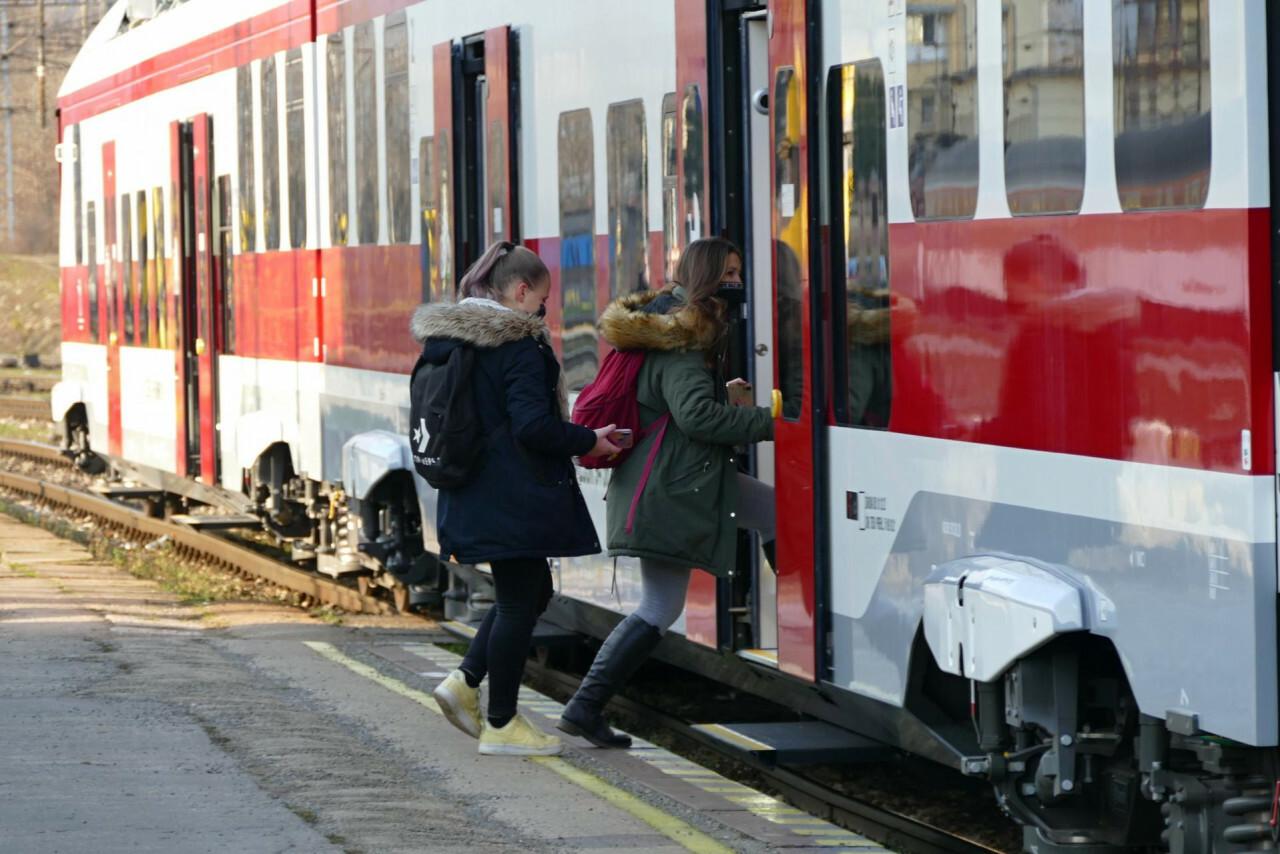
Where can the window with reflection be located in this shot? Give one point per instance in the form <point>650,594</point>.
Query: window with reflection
<point>77,191</point>
<point>628,167</point>
<point>91,258</point>
<point>295,134</point>
<point>1044,164</point>
<point>226,265</point>
<point>498,221</point>
<point>244,159</point>
<point>577,181</point>
<point>395,43</point>
<point>695,193</point>
<point>146,273</point>
<point>942,108</point>
<point>856,110</point>
<point>366,119</point>
<point>270,115</point>
<point>126,265</point>
<point>162,295</point>
<point>670,226</point>
<point>787,107</point>
<point>430,217</point>
<point>336,85</point>
<point>1162,102</point>
<point>445,219</point>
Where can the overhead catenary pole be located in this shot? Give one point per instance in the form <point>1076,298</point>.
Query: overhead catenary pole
<point>8,121</point>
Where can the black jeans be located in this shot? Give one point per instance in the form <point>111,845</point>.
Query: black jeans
<point>501,645</point>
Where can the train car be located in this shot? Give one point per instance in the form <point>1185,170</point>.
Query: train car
<point>1010,266</point>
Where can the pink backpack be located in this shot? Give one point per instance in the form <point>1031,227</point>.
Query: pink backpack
<point>611,398</point>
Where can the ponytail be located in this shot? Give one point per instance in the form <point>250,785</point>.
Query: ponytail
<point>501,265</point>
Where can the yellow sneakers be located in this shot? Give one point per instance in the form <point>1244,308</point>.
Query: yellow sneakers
<point>517,738</point>
<point>460,703</point>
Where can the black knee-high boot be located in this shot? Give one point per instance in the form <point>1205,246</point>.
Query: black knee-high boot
<point>626,648</point>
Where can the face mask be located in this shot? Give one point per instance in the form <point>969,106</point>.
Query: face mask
<point>542,311</point>
<point>734,293</point>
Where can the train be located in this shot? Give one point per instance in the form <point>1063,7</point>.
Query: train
<point>1011,266</point>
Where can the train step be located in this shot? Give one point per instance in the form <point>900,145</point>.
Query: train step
<point>798,743</point>
<point>116,492</point>
<point>544,633</point>
<point>217,523</point>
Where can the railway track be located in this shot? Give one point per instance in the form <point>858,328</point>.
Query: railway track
<point>25,408</point>
<point>892,829</point>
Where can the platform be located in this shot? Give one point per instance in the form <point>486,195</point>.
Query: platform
<point>145,723</point>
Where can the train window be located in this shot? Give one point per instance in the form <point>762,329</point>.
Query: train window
<point>162,297</point>
<point>146,273</point>
<point>366,119</point>
<point>1044,109</point>
<point>1162,102</point>
<point>270,154</point>
<point>126,265</point>
<point>863,370</point>
<point>444,198</point>
<point>245,167</point>
<point>670,235</point>
<point>77,190</point>
<point>628,170</point>
<point>91,259</point>
<point>295,134</point>
<point>226,265</point>
<point>496,166</point>
<point>577,180</point>
<point>694,171</point>
<point>395,44</point>
<point>788,125</point>
<point>336,70</point>
<point>427,198</point>
<point>942,109</point>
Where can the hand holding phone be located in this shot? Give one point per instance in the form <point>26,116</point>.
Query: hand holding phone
<point>623,438</point>
<point>739,392</point>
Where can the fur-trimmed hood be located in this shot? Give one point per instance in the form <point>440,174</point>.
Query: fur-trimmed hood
<point>474,323</point>
<point>630,324</point>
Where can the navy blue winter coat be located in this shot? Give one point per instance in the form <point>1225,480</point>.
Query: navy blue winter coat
<point>524,501</point>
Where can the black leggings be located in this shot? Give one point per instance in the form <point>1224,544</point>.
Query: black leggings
<point>501,645</point>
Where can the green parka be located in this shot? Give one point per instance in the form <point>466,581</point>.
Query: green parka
<point>686,512</point>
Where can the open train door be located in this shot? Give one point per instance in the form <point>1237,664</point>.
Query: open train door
<point>195,294</point>
<point>112,310</point>
<point>796,324</point>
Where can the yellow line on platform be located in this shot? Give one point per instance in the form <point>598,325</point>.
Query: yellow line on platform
<point>668,825</point>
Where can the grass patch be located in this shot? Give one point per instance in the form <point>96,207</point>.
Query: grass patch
<point>24,570</point>
<point>327,614</point>
<point>28,431</point>
<point>193,584</point>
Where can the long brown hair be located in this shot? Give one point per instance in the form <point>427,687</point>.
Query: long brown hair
<point>699,272</point>
<point>502,265</point>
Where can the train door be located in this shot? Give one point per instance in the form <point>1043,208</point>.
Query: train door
<point>796,326</point>
<point>197,343</point>
<point>476,97</point>
<point>111,308</point>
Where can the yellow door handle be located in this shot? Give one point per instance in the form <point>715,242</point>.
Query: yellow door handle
<point>112,339</point>
<point>199,346</point>
<point>776,407</point>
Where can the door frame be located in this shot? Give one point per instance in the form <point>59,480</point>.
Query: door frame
<point>112,309</point>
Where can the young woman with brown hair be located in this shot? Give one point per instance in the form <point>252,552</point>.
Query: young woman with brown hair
<point>695,499</point>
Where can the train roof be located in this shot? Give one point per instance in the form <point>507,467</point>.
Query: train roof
<point>115,45</point>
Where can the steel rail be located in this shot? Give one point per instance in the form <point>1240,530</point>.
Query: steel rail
<point>138,526</point>
<point>27,408</point>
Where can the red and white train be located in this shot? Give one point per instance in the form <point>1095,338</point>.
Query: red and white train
<point>1011,268</point>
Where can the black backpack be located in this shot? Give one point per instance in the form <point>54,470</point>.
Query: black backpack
<point>444,434</point>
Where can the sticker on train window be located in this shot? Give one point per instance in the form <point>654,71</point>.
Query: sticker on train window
<point>787,200</point>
